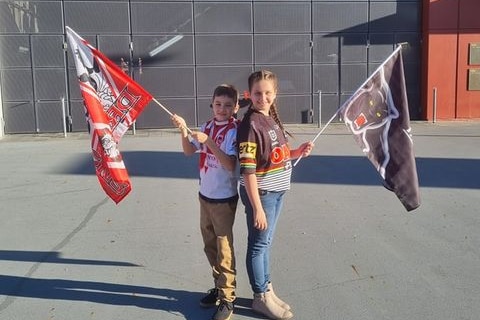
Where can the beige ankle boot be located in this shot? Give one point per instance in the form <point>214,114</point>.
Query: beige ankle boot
<point>278,301</point>
<point>263,303</point>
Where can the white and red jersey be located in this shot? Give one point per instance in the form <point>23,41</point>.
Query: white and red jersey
<point>216,182</point>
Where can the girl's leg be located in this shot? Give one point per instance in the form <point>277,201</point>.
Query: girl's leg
<point>259,241</point>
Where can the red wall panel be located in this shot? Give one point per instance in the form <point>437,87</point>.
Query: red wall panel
<point>468,102</point>
<point>449,27</point>
<point>442,14</point>
<point>441,75</point>
<point>469,14</point>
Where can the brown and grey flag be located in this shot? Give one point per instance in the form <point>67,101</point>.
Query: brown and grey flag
<point>377,114</point>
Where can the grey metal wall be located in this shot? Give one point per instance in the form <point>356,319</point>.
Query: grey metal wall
<point>328,46</point>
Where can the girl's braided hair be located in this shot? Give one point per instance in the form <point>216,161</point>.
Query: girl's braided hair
<point>268,75</point>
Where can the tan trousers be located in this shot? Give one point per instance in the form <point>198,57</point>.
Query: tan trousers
<point>216,224</point>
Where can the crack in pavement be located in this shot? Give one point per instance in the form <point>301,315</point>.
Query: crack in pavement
<point>10,299</point>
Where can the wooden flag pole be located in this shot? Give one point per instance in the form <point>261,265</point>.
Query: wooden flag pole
<point>168,111</point>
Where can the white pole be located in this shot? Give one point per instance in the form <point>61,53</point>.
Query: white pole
<point>64,118</point>
<point>319,108</point>
<point>321,131</point>
<point>2,123</point>
<point>168,111</point>
<point>434,105</point>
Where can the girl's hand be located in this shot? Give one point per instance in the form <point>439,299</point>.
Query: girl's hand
<point>306,148</point>
<point>260,220</point>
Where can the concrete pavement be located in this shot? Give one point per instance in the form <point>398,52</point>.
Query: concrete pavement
<point>345,247</point>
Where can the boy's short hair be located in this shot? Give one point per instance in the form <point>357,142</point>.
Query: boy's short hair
<point>226,90</point>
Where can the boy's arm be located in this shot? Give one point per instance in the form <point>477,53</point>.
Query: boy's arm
<point>229,162</point>
<point>188,148</point>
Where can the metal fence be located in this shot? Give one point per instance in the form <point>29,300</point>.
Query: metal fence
<point>180,50</point>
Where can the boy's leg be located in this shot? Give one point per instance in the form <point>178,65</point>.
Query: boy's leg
<point>209,236</point>
<point>223,217</point>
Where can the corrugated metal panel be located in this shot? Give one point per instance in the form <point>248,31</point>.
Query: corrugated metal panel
<point>223,49</point>
<point>325,78</point>
<point>17,85</point>
<point>183,49</point>
<point>169,81</point>
<point>210,77</point>
<point>48,51</point>
<point>49,116</point>
<point>163,50</point>
<point>49,84</point>
<point>294,79</point>
<point>352,76</point>
<point>282,49</point>
<point>15,51</point>
<point>154,116</point>
<point>77,112</point>
<point>340,17</point>
<point>282,17</point>
<point>161,17</point>
<point>223,17</point>
<point>19,117</point>
<point>97,17</point>
<point>30,17</point>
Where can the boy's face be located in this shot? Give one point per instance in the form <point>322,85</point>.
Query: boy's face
<point>223,108</point>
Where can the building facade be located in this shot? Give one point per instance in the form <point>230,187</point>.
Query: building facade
<point>451,55</point>
<point>179,50</point>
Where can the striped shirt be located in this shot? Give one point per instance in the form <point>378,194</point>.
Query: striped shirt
<point>263,150</point>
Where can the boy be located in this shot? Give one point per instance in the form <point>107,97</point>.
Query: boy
<point>218,195</point>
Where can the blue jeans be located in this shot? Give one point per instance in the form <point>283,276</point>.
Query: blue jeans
<point>260,241</point>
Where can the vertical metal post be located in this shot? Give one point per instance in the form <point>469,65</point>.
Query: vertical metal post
<point>64,118</point>
<point>319,108</point>
<point>2,122</point>
<point>434,104</point>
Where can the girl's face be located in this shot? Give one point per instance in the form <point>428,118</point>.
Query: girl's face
<point>223,108</point>
<point>263,94</point>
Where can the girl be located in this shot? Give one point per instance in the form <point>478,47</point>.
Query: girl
<point>265,169</point>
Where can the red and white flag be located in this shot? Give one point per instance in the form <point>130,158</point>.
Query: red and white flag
<point>112,102</point>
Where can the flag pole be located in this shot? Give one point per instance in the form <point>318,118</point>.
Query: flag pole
<point>171,114</point>
<point>321,131</point>
<point>399,46</point>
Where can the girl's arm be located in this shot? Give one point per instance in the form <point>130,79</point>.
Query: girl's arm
<point>259,217</point>
<point>303,150</point>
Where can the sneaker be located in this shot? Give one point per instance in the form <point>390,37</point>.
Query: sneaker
<point>211,299</point>
<point>224,311</point>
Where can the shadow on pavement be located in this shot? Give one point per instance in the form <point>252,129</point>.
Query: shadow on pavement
<point>343,170</point>
<point>54,257</point>
<point>168,300</point>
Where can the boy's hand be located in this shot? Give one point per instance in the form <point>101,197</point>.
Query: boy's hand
<point>200,136</point>
<point>180,123</point>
